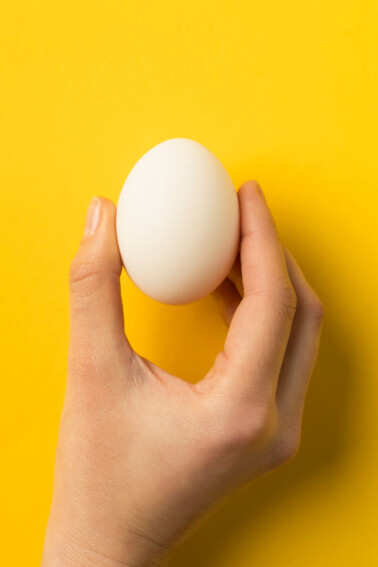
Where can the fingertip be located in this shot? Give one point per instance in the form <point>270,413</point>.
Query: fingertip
<point>108,209</point>
<point>109,241</point>
<point>251,187</point>
<point>92,218</point>
<point>98,249</point>
<point>100,211</point>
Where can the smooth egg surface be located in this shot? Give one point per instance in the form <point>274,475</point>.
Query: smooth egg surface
<point>178,224</point>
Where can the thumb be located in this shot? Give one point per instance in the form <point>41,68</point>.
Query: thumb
<point>96,313</point>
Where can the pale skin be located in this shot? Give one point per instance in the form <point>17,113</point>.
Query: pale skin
<point>144,457</point>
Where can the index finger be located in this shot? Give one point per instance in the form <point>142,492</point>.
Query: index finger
<point>259,331</point>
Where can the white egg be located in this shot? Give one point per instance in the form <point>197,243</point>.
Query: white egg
<point>178,225</point>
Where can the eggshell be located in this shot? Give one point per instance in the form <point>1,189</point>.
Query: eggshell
<point>178,225</point>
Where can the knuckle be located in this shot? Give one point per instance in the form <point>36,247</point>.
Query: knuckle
<point>245,430</point>
<point>288,297</point>
<point>283,300</point>
<point>79,270</point>
<point>83,274</point>
<point>287,447</point>
<point>315,309</point>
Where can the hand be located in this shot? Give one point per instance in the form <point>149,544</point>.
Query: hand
<point>143,456</point>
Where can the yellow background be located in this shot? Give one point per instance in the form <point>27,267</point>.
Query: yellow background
<point>284,92</point>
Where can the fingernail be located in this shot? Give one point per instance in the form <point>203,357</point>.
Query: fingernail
<point>93,217</point>
<point>260,191</point>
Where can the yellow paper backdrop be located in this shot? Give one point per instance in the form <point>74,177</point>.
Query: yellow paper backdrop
<point>284,92</point>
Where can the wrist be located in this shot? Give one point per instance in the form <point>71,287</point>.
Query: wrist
<point>64,547</point>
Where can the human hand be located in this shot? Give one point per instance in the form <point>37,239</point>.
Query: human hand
<point>143,456</point>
